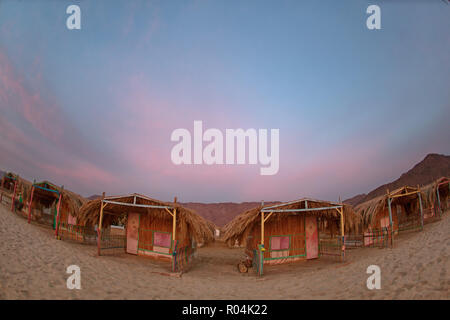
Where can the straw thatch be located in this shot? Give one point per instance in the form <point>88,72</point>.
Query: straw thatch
<point>239,228</point>
<point>430,190</point>
<point>23,186</point>
<point>71,202</point>
<point>369,210</point>
<point>188,222</point>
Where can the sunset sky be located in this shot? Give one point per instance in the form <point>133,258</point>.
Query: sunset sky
<point>93,109</point>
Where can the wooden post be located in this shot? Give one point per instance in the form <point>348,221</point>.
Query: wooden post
<point>342,233</point>
<point>58,208</point>
<point>14,196</point>
<point>174,220</point>
<point>262,228</point>
<point>174,223</point>
<point>99,227</point>
<point>420,206</point>
<point>390,219</point>
<point>30,204</point>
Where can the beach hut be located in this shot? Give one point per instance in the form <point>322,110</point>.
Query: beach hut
<point>437,194</point>
<point>9,185</point>
<point>387,215</point>
<point>52,205</point>
<point>298,230</point>
<point>153,228</point>
<point>12,187</point>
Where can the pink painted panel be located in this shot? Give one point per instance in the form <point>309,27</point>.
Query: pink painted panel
<point>312,237</point>
<point>71,220</point>
<point>279,243</point>
<point>162,239</point>
<point>132,233</point>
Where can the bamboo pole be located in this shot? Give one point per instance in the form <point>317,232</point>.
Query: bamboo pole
<point>30,204</point>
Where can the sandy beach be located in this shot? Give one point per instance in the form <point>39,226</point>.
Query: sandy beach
<point>33,266</point>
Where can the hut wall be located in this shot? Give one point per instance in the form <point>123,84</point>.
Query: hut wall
<point>155,236</point>
<point>382,218</point>
<point>290,227</point>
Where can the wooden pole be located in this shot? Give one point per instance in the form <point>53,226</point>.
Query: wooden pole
<point>421,207</point>
<point>57,214</point>
<point>174,220</point>
<point>262,228</point>
<point>174,223</point>
<point>30,204</point>
<point>342,233</point>
<point>390,219</point>
<point>99,227</point>
<point>14,196</point>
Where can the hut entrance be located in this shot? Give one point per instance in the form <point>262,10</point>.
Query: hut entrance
<point>132,233</point>
<point>312,237</point>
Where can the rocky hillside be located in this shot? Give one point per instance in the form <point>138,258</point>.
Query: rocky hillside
<point>432,167</point>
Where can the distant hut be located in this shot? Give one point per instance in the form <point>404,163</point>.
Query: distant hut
<point>292,231</point>
<point>9,184</point>
<point>154,228</point>
<point>12,187</point>
<point>52,205</point>
<point>387,215</point>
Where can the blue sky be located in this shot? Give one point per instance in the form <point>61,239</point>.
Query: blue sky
<point>93,109</point>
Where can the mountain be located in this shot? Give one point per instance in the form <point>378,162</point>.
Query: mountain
<point>222,213</point>
<point>94,196</point>
<point>432,167</point>
<point>356,199</point>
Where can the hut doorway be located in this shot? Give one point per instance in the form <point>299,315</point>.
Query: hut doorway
<point>132,233</point>
<point>312,237</point>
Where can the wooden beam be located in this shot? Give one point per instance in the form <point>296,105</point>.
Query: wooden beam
<point>403,195</point>
<point>300,210</point>
<point>265,219</point>
<point>169,211</point>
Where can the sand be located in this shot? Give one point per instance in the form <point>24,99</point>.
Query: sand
<point>33,266</point>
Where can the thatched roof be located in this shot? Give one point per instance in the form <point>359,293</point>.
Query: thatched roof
<point>239,228</point>
<point>430,190</point>
<point>71,202</point>
<point>405,195</point>
<point>23,186</point>
<point>201,229</point>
